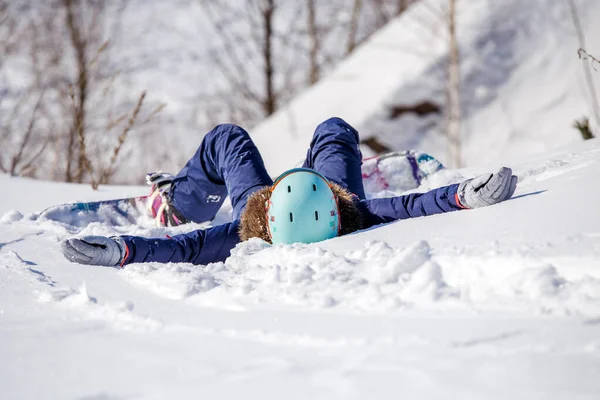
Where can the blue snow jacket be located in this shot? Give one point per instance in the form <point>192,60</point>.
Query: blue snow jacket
<point>215,244</point>
<point>227,163</point>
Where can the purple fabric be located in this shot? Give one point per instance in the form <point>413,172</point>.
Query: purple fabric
<point>415,168</point>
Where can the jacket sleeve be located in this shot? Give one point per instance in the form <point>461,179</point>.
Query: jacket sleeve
<point>436,201</point>
<point>198,247</point>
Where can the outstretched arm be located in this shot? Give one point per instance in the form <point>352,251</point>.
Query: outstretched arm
<point>379,211</point>
<point>197,247</point>
<point>481,191</point>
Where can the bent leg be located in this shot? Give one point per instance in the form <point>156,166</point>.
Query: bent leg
<point>227,162</point>
<point>334,152</point>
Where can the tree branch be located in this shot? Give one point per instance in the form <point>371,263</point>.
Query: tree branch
<point>33,159</point>
<point>18,156</point>
<point>584,55</point>
<point>108,172</point>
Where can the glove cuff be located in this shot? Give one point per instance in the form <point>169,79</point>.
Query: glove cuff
<point>123,249</point>
<point>459,197</point>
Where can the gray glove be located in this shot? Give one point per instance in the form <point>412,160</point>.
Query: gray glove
<point>487,189</point>
<point>94,250</point>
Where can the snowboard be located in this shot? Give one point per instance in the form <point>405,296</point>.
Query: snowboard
<point>391,172</point>
<point>125,211</point>
<point>397,171</point>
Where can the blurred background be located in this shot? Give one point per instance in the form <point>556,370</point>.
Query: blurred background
<point>105,91</point>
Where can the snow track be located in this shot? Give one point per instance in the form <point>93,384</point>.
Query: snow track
<point>496,302</point>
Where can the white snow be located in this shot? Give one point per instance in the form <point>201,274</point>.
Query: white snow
<point>493,303</point>
<point>498,302</point>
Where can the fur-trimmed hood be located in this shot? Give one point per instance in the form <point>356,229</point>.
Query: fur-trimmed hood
<point>253,221</point>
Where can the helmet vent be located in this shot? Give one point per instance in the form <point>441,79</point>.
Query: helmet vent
<point>314,187</point>
<point>316,215</point>
<point>289,189</point>
<point>291,217</point>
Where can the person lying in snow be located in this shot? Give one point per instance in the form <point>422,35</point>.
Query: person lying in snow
<point>323,199</point>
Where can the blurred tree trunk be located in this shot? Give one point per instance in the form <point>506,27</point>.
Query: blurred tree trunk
<point>401,6</point>
<point>453,112</point>
<point>353,26</point>
<point>381,16</point>
<point>270,103</point>
<point>313,75</point>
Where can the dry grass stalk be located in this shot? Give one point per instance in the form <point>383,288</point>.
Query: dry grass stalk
<point>115,122</point>
<point>155,112</point>
<point>110,84</point>
<point>99,52</point>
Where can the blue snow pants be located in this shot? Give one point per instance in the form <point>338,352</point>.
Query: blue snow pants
<point>228,163</point>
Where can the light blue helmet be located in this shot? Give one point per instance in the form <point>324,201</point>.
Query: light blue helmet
<point>302,208</point>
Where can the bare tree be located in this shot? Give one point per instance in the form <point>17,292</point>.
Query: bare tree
<point>71,130</point>
<point>240,57</point>
<point>266,51</point>
<point>79,44</point>
<point>19,165</point>
<point>20,140</point>
<point>269,50</point>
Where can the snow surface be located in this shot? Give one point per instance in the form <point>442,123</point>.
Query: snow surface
<point>523,84</point>
<point>499,302</point>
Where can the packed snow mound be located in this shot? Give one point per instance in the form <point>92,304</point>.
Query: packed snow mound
<point>376,278</point>
<point>523,84</point>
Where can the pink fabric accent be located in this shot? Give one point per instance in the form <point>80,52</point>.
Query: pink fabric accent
<point>125,257</point>
<point>156,206</point>
<point>380,178</point>
<point>458,202</point>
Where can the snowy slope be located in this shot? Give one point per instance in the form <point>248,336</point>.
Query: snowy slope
<point>500,302</point>
<point>522,83</point>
